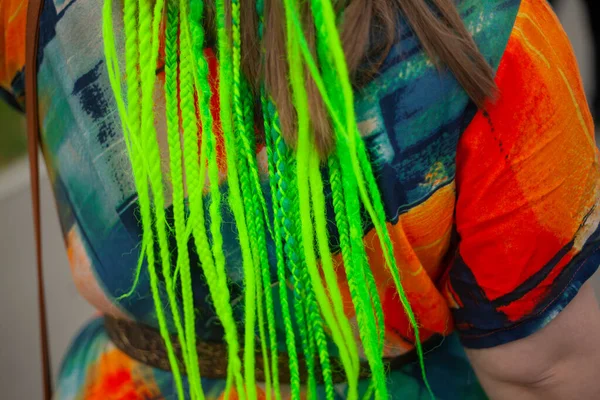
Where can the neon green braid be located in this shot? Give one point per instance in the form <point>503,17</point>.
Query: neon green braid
<point>355,262</point>
<point>288,234</point>
<point>175,154</point>
<point>283,294</point>
<point>225,89</point>
<point>303,156</point>
<point>369,392</point>
<point>246,142</point>
<point>355,256</point>
<point>252,197</point>
<point>327,32</point>
<point>275,235</point>
<point>140,179</point>
<point>380,216</point>
<point>191,44</point>
<point>149,41</point>
<point>241,136</point>
<point>114,74</point>
<point>297,189</point>
<point>371,341</point>
<point>318,202</point>
<point>361,166</point>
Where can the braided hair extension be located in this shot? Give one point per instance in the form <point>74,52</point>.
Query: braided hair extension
<point>302,179</point>
<point>314,313</point>
<point>256,226</point>
<point>258,247</point>
<point>352,221</point>
<point>183,268</point>
<point>212,262</point>
<point>275,174</point>
<point>148,33</point>
<point>131,128</point>
<point>278,194</point>
<point>365,178</point>
<point>288,233</point>
<point>130,117</point>
<point>352,252</point>
<point>356,159</point>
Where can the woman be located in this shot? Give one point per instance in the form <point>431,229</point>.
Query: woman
<point>297,200</point>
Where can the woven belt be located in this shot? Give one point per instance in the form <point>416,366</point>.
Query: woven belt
<point>146,345</point>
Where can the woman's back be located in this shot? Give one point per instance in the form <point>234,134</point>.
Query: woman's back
<point>485,239</point>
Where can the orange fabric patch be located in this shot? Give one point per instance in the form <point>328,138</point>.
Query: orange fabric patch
<point>13,19</point>
<point>527,170</point>
<point>114,377</point>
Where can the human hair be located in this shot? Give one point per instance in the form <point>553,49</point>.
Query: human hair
<point>368,30</point>
<point>287,69</point>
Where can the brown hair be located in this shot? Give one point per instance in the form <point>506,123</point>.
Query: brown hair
<point>368,31</point>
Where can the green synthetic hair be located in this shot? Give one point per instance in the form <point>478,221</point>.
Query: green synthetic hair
<point>302,277</point>
<point>131,122</point>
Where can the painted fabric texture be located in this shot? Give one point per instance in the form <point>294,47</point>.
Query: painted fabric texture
<point>493,213</point>
<point>95,369</point>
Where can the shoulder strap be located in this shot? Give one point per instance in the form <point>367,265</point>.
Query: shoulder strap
<point>33,131</point>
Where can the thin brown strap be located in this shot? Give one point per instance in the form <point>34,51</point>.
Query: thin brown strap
<point>145,344</point>
<point>33,137</point>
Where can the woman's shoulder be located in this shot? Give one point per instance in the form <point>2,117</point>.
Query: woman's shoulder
<point>409,75</point>
<point>413,101</point>
<point>490,23</point>
<point>412,114</point>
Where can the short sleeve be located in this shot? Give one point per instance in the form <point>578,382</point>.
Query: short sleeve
<point>13,21</point>
<point>527,191</point>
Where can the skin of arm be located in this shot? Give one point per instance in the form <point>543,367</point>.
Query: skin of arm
<point>559,362</point>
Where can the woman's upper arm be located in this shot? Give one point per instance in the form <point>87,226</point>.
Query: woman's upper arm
<point>561,361</point>
<point>527,221</point>
<point>528,191</point>
<point>13,17</point>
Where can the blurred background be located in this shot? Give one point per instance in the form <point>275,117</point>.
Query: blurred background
<point>67,311</point>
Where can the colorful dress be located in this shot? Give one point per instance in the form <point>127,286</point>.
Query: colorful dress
<point>493,214</point>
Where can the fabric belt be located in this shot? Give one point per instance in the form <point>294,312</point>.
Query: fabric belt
<point>145,344</point>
